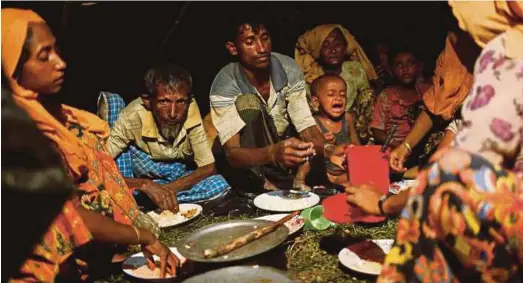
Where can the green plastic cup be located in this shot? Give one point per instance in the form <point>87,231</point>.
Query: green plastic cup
<point>314,219</point>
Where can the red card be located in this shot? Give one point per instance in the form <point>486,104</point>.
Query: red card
<point>366,165</point>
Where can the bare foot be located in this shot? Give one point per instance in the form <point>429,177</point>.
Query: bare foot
<point>301,186</point>
<point>270,186</point>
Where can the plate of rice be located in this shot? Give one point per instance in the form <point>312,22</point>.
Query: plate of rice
<point>136,266</point>
<point>187,212</point>
<point>281,201</point>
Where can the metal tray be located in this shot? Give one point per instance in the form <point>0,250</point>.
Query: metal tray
<point>192,245</point>
<point>241,274</point>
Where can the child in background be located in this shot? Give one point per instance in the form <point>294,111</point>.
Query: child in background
<point>329,97</point>
<point>397,104</point>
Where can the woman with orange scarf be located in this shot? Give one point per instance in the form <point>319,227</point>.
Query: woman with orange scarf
<point>35,72</point>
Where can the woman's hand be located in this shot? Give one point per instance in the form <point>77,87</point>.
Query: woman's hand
<point>398,157</point>
<point>365,197</point>
<point>168,261</point>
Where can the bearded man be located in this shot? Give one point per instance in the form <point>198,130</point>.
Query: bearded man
<point>162,133</point>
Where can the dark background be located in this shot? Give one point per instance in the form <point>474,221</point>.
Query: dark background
<point>108,46</point>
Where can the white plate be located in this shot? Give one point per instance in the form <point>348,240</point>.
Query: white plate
<point>294,225</point>
<point>354,262</point>
<point>396,188</point>
<point>178,218</point>
<point>138,261</point>
<point>274,201</point>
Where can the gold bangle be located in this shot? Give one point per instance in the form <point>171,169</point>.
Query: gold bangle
<point>137,231</point>
<point>407,145</point>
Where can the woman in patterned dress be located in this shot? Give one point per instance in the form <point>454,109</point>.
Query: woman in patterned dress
<point>463,221</point>
<point>34,71</point>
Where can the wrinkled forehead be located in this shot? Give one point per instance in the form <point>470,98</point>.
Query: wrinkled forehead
<point>167,91</point>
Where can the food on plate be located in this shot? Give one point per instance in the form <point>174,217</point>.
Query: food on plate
<point>189,213</point>
<point>146,273</point>
<point>166,217</point>
<point>369,251</point>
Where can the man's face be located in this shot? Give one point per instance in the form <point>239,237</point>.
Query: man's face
<point>406,68</point>
<point>253,47</point>
<point>170,109</point>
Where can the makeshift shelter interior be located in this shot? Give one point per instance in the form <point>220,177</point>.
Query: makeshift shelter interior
<point>108,45</point>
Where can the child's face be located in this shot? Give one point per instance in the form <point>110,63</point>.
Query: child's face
<point>332,97</point>
<point>406,68</point>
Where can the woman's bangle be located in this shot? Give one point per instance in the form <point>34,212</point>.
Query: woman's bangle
<point>137,231</point>
<point>407,145</point>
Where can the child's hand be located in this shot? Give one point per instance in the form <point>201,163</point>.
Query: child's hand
<point>330,137</point>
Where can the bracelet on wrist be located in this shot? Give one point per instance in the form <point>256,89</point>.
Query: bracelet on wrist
<point>407,145</point>
<point>137,231</point>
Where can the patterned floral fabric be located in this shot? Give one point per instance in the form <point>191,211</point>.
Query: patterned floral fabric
<point>463,221</point>
<point>356,79</point>
<point>65,233</point>
<point>466,207</point>
<point>493,111</point>
<point>362,110</point>
<point>105,190</point>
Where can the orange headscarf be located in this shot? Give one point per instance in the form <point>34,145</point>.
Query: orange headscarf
<point>307,51</point>
<point>451,83</point>
<point>14,31</point>
<point>484,20</point>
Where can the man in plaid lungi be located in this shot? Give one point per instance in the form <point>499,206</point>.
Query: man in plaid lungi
<point>157,137</point>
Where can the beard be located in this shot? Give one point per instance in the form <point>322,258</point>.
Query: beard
<point>167,131</point>
<point>170,132</point>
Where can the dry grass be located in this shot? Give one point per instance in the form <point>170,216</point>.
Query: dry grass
<point>312,256</point>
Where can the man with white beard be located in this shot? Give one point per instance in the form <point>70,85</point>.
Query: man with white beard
<point>162,132</point>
